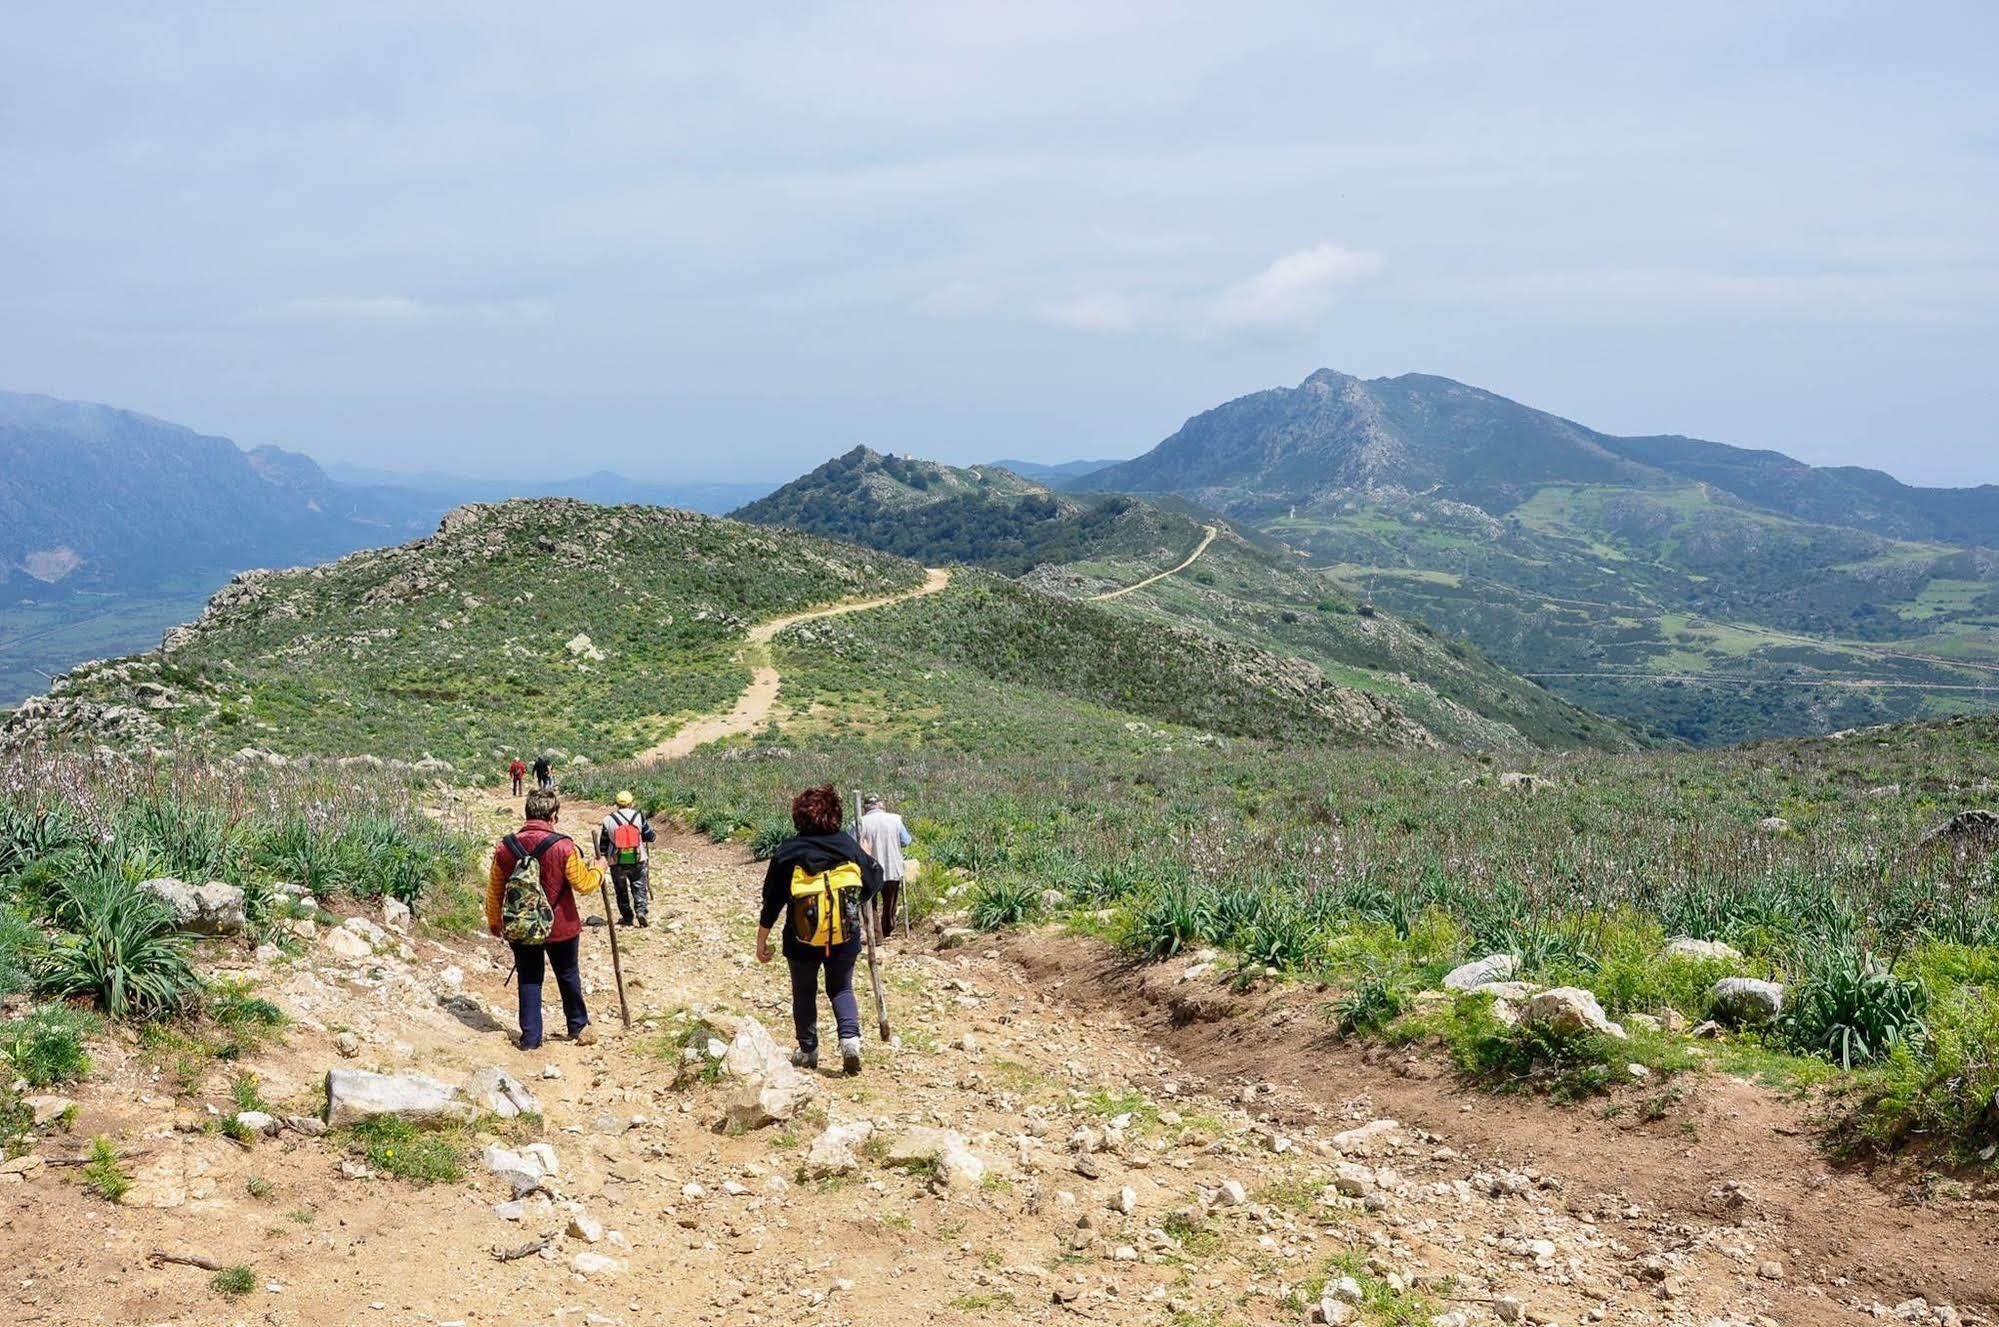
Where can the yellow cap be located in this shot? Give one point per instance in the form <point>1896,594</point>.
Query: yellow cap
<point>624,799</point>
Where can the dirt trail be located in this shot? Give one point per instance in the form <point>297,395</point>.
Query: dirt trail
<point>753,706</point>
<point>1131,1176</point>
<point>1208,533</point>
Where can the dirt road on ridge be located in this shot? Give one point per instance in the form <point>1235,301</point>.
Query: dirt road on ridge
<point>754,705</point>
<point>1208,533</point>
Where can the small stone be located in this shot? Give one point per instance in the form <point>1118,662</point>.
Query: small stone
<point>585,1227</point>
<point>1232,1194</point>
<point>587,1263</point>
<point>347,1044</point>
<point>1771,1270</point>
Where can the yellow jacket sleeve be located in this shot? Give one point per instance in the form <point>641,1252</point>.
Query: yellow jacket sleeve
<point>496,888</point>
<point>582,879</point>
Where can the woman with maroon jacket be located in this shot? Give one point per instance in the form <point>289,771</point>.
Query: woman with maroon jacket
<point>564,875</point>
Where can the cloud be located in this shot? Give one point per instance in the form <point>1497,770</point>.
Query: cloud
<point>1093,313</point>
<point>362,308</point>
<point>1293,291</point>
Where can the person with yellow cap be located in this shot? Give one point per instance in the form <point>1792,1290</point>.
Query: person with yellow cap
<point>623,840</point>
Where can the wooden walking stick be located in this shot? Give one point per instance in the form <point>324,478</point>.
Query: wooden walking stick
<point>611,925</point>
<point>868,931</point>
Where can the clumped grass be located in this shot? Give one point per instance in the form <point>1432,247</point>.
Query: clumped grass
<point>234,1282</point>
<point>258,1187</point>
<point>104,1174</point>
<point>119,946</point>
<point>1003,902</point>
<point>398,1148</point>
<point>46,1046</point>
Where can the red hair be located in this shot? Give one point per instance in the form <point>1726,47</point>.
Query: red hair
<point>817,810</point>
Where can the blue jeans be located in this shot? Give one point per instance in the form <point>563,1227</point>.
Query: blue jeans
<point>528,967</point>
<point>839,966</point>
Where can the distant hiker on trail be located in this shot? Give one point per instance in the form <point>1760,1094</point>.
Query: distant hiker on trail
<point>517,772</point>
<point>531,903</point>
<point>544,773</point>
<point>883,836</point>
<point>820,881</point>
<point>621,841</point>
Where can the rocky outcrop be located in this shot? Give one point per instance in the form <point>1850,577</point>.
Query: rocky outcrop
<point>1479,972</point>
<point>1571,1011</point>
<point>1747,1002</point>
<point>211,909</point>
<point>353,1095</point>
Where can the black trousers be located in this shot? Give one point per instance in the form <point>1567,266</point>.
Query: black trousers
<point>633,891</point>
<point>885,906</point>
<point>529,970</point>
<point>839,969</point>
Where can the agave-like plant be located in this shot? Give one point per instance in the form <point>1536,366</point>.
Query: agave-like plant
<point>118,945</point>
<point>1852,1009</point>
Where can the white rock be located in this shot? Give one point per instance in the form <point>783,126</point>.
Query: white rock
<point>1374,1136</point>
<point>215,908</point>
<point>1232,1194</point>
<point>957,1165</point>
<point>1353,1179</point>
<point>1747,1000</point>
<point>1569,1010</point>
<point>832,1152</point>
<point>585,1227</point>
<point>396,914</point>
<point>587,1263</point>
<point>353,1095</point>
<point>347,944</point>
<point>1687,947</point>
<point>1479,972</point>
<point>257,1121</point>
<point>495,1090</point>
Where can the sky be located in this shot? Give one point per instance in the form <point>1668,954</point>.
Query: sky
<point>726,242</point>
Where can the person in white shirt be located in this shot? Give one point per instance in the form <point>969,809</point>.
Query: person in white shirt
<point>883,836</point>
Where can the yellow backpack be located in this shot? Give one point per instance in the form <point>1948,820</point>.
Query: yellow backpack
<point>825,907</point>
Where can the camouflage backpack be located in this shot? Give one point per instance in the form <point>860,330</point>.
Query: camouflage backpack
<point>526,917</point>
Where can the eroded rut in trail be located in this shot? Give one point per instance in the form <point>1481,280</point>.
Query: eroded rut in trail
<point>1133,1172</point>
<point>1718,1174</point>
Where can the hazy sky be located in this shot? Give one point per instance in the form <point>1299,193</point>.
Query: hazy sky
<point>676,240</point>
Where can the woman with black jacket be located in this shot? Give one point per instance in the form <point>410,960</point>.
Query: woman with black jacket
<point>822,882</point>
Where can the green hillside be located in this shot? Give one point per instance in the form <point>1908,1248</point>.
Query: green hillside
<point>1247,590</point>
<point>1706,592</point>
<point>598,631</point>
<point>548,623</point>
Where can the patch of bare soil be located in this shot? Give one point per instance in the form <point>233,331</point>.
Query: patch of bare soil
<point>1712,1163</point>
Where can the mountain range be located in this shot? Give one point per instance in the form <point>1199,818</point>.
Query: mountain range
<point>1711,592</point>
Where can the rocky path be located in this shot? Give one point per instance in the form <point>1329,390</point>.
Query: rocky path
<point>1208,533</point>
<point>753,706</point>
<point>1025,1151</point>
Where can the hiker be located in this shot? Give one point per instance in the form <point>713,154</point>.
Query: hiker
<point>821,881</point>
<point>544,773</point>
<point>883,836</point>
<point>542,935</point>
<point>517,772</point>
<point>622,841</point>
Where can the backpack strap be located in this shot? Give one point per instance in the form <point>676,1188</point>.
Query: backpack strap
<point>521,852</point>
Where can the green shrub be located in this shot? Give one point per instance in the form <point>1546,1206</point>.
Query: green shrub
<point>234,1282</point>
<point>20,942</point>
<point>104,1174</point>
<point>1369,1006</point>
<point>770,834</point>
<point>46,1047</point>
<point>119,946</point>
<point>1943,1089</point>
<point>1004,901</point>
<point>1167,920</point>
<point>1851,1009</point>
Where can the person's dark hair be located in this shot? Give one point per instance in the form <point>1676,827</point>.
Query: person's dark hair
<point>817,810</point>
<point>543,804</point>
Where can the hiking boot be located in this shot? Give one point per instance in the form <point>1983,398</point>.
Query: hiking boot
<point>585,1036</point>
<point>805,1059</point>
<point>644,922</point>
<point>625,920</point>
<point>850,1055</point>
